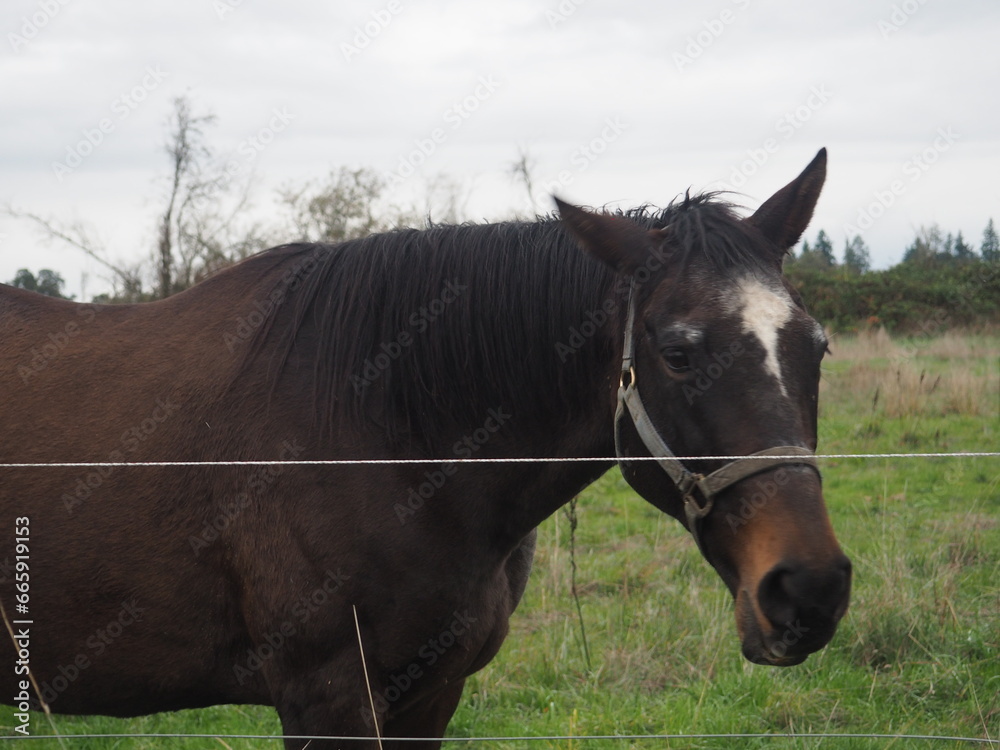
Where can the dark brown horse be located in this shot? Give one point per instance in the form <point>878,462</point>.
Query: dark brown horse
<point>159,588</point>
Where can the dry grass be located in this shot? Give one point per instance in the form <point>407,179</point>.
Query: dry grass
<point>915,377</point>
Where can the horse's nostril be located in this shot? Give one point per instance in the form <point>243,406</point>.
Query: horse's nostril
<point>775,596</point>
<point>790,593</point>
<point>846,569</point>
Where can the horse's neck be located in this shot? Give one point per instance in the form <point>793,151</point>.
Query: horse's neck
<point>526,493</point>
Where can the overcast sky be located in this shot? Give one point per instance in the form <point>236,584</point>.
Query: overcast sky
<point>618,103</point>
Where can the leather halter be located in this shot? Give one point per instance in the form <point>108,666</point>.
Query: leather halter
<point>688,482</point>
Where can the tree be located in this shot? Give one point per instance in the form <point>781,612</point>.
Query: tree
<point>989,249</point>
<point>126,278</point>
<point>346,206</point>
<point>47,282</point>
<point>25,279</point>
<point>521,170</point>
<point>824,249</point>
<point>818,257</point>
<point>199,230</point>
<point>186,149</point>
<point>857,259</point>
<point>445,202</point>
<point>927,246</point>
<point>947,249</point>
<point>203,226</point>
<point>962,251</point>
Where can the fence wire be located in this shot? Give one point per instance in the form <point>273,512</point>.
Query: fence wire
<point>521,460</point>
<point>541,738</point>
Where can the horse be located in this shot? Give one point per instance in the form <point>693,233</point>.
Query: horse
<point>230,564</point>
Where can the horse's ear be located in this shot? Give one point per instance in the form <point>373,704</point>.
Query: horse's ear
<point>785,215</point>
<point>614,240</point>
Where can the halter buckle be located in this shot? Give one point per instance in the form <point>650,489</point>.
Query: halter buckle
<point>690,490</point>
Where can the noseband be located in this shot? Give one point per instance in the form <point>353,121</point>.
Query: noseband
<point>687,482</point>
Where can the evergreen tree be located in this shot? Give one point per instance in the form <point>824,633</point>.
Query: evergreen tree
<point>962,251</point>
<point>824,249</point>
<point>949,244</point>
<point>818,257</point>
<point>806,251</point>
<point>857,258</point>
<point>990,247</point>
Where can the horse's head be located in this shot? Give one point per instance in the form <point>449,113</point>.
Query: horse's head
<point>727,362</point>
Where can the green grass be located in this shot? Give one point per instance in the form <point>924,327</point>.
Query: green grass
<point>917,653</point>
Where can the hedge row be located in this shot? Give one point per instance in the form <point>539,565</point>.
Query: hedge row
<point>905,298</point>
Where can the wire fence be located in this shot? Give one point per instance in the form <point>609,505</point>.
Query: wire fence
<point>765,736</point>
<point>523,460</point>
<point>568,738</point>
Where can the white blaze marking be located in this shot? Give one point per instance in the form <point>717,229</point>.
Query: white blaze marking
<point>765,311</point>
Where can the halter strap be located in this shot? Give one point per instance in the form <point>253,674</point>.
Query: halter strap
<point>688,482</point>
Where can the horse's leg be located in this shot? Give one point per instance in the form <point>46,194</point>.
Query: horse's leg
<point>317,703</point>
<point>320,723</point>
<point>428,718</point>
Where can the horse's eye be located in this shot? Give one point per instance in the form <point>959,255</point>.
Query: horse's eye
<point>677,360</point>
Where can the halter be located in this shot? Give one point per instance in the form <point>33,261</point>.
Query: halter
<point>686,481</point>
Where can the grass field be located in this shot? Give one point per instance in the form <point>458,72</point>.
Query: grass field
<point>918,652</point>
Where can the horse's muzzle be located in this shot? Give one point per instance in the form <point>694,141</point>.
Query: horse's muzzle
<point>793,612</point>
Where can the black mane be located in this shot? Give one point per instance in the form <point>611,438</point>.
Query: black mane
<point>418,333</point>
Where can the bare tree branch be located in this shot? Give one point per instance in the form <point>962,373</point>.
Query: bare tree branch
<point>126,280</point>
<point>520,170</point>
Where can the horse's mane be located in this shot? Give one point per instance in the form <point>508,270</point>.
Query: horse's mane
<point>419,333</point>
